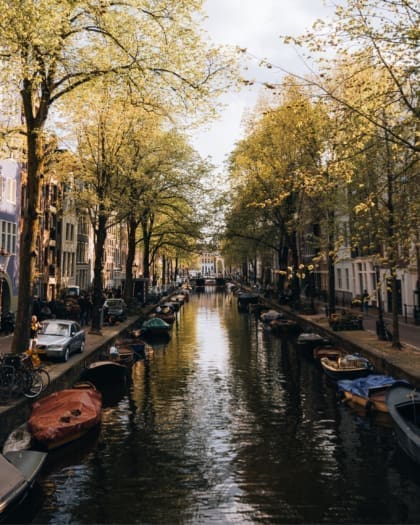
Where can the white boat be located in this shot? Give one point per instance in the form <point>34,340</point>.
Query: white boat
<point>19,470</point>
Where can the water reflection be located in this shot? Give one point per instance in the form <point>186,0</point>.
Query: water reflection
<point>229,424</point>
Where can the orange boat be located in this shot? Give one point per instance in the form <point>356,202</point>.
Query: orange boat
<point>65,416</point>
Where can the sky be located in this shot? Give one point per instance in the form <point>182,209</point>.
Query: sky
<point>257,26</point>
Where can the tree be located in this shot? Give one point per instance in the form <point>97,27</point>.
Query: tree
<point>381,35</point>
<point>50,48</point>
<point>279,163</point>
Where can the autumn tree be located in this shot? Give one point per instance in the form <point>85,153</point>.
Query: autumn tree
<point>50,48</point>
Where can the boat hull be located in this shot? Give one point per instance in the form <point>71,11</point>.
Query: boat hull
<point>404,408</point>
<point>19,470</point>
<point>340,369</point>
<point>103,373</point>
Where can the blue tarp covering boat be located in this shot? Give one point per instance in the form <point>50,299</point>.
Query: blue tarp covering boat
<point>369,391</point>
<point>363,386</point>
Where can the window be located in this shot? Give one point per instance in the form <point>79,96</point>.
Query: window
<point>8,232</point>
<point>11,190</point>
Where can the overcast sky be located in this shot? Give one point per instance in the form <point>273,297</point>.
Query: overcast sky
<point>255,25</point>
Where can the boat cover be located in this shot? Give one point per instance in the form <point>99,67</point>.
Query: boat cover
<point>65,413</point>
<point>363,386</point>
<point>154,322</point>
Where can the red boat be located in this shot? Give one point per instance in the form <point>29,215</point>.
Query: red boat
<point>65,416</point>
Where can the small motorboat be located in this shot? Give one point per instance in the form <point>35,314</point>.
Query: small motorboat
<point>18,472</point>
<point>283,326</point>
<point>105,373</point>
<point>350,366</point>
<point>65,416</point>
<point>165,313</point>
<point>247,298</point>
<point>271,315</point>
<point>331,351</point>
<point>310,340</point>
<point>368,392</point>
<point>403,402</point>
<point>155,326</point>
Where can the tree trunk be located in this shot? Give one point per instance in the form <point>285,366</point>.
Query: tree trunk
<point>98,285</point>
<point>131,240</point>
<point>28,240</point>
<point>146,252</point>
<point>395,324</point>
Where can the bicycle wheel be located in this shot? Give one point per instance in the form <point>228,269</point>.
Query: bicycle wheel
<point>35,387</point>
<point>46,380</point>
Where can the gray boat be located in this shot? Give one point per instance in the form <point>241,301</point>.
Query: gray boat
<point>18,472</point>
<point>403,404</point>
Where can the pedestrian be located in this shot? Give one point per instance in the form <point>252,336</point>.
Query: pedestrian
<point>365,301</point>
<point>35,326</point>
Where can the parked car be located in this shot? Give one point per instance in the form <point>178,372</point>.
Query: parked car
<point>115,310</point>
<point>59,338</point>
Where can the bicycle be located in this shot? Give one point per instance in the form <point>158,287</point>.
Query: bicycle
<point>18,376</point>
<point>37,365</point>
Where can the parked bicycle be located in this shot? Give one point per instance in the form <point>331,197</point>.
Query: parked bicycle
<point>38,365</point>
<point>18,376</point>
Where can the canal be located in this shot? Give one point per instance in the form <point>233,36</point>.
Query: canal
<point>229,424</point>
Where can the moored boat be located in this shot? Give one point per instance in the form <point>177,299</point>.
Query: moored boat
<point>331,351</point>
<point>105,372</point>
<point>271,315</point>
<point>155,326</point>
<point>19,470</point>
<point>310,340</point>
<point>403,402</point>
<point>65,416</point>
<point>369,392</point>
<point>350,366</point>
<point>165,313</point>
<point>283,326</point>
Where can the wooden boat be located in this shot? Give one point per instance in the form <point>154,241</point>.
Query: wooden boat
<point>65,416</point>
<point>368,392</point>
<point>403,403</point>
<point>105,372</point>
<point>283,326</point>
<point>18,472</point>
<point>126,355</point>
<point>331,351</point>
<point>350,366</point>
<point>155,326</point>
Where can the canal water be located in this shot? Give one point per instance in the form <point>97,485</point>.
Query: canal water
<point>229,424</point>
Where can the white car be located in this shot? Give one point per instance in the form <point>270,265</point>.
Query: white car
<point>59,338</point>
